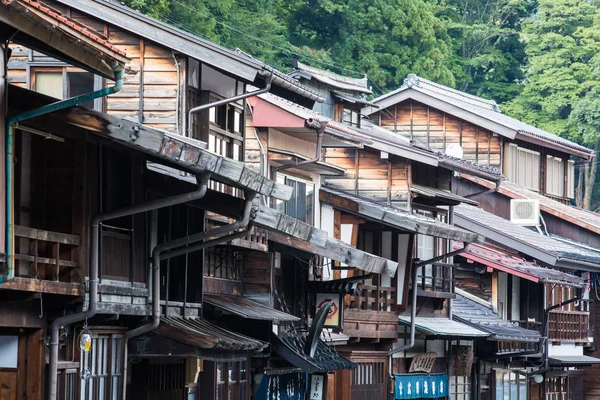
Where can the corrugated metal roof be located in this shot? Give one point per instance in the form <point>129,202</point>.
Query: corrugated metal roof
<point>584,218</point>
<point>483,318</point>
<point>444,327</point>
<point>515,265</point>
<point>201,333</point>
<point>396,217</point>
<point>326,359</point>
<point>519,238</point>
<point>487,109</point>
<point>573,360</point>
<point>439,196</point>
<point>248,309</point>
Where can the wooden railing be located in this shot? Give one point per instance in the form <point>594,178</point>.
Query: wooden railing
<point>46,255</point>
<point>257,240</point>
<point>375,298</point>
<point>569,326</point>
<point>435,281</point>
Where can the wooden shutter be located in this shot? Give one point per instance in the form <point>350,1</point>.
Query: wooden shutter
<point>571,179</point>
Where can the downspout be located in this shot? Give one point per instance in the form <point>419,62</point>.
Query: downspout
<point>189,244</point>
<point>487,191</point>
<point>10,132</point>
<point>94,268</point>
<point>413,310</point>
<point>223,102</point>
<point>320,128</point>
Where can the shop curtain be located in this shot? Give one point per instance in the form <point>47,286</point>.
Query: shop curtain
<point>420,386</point>
<point>282,387</point>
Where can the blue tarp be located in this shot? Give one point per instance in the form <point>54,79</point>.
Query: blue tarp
<point>420,386</point>
<point>282,387</point>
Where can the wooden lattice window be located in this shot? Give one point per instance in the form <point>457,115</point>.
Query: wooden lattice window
<point>232,380</point>
<point>104,365</point>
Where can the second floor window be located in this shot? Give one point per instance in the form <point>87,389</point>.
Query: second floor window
<point>522,166</point>
<point>62,82</point>
<point>301,205</point>
<point>350,117</point>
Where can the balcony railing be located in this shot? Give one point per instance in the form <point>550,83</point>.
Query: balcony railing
<point>436,281</point>
<point>571,326</point>
<point>372,314</point>
<point>46,255</point>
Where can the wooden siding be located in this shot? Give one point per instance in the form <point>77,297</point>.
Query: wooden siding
<point>150,87</point>
<point>252,154</point>
<point>438,129</point>
<point>369,175</point>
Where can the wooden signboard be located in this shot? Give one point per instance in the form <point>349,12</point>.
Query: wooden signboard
<point>423,363</point>
<point>462,360</point>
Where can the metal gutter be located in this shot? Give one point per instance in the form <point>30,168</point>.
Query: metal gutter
<point>320,127</point>
<point>243,96</point>
<point>95,264</point>
<point>10,132</point>
<point>188,244</point>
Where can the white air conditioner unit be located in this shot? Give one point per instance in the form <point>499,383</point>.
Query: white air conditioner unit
<point>525,212</point>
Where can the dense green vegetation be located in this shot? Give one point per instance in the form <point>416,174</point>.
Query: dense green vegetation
<point>539,59</point>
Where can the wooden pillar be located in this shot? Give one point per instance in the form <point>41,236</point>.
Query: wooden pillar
<point>337,233</point>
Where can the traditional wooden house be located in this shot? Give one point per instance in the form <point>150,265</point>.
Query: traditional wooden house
<point>142,251</point>
<point>380,192</point>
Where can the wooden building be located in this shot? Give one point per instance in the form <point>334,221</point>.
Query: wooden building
<point>538,166</point>
<point>138,247</point>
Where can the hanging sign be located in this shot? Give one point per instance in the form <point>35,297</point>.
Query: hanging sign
<point>420,386</point>
<point>334,318</point>
<point>317,387</point>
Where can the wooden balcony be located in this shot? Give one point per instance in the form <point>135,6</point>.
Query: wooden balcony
<point>436,281</point>
<point>372,315</point>
<point>569,326</point>
<point>45,262</point>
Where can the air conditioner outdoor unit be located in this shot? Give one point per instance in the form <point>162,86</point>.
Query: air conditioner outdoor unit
<point>525,212</point>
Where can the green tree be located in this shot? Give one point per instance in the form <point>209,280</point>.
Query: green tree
<point>562,39</point>
<point>488,52</point>
<point>385,39</point>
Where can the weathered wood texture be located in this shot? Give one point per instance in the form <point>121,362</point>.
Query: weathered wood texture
<point>438,129</point>
<point>590,378</point>
<point>150,87</point>
<point>258,277</point>
<point>369,175</point>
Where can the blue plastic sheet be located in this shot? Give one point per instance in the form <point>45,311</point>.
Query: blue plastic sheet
<point>282,387</point>
<point>420,386</point>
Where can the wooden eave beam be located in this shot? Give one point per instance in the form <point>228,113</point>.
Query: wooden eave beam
<point>174,149</point>
<point>56,40</point>
<point>398,221</point>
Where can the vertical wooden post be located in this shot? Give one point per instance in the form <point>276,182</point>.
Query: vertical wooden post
<point>337,233</point>
<point>495,290</point>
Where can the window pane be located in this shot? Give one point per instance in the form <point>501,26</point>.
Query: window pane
<point>81,83</point>
<point>49,83</point>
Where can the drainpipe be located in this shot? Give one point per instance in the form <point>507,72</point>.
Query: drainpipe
<point>487,191</point>
<point>413,310</point>
<point>320,128</point>
<point>225,101</point>
<point>547,326</point>
<point>10,132</point>
<point>413,317</point>
<point>189,244</point>
<point>94,267</point>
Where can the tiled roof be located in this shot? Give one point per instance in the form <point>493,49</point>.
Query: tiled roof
<point>58,16</point>
<point>523,240</point>
<point>337,81</point>
<point>344,131</point>
<point>586,219</point>
<point>485,319</point>
<point>516,265</point>
<point>487,109</point>
<point>458,164</point>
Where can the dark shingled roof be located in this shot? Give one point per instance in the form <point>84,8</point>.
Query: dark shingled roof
<point>526,241</point>
<point>485,319</point>
<point>248,309</point>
